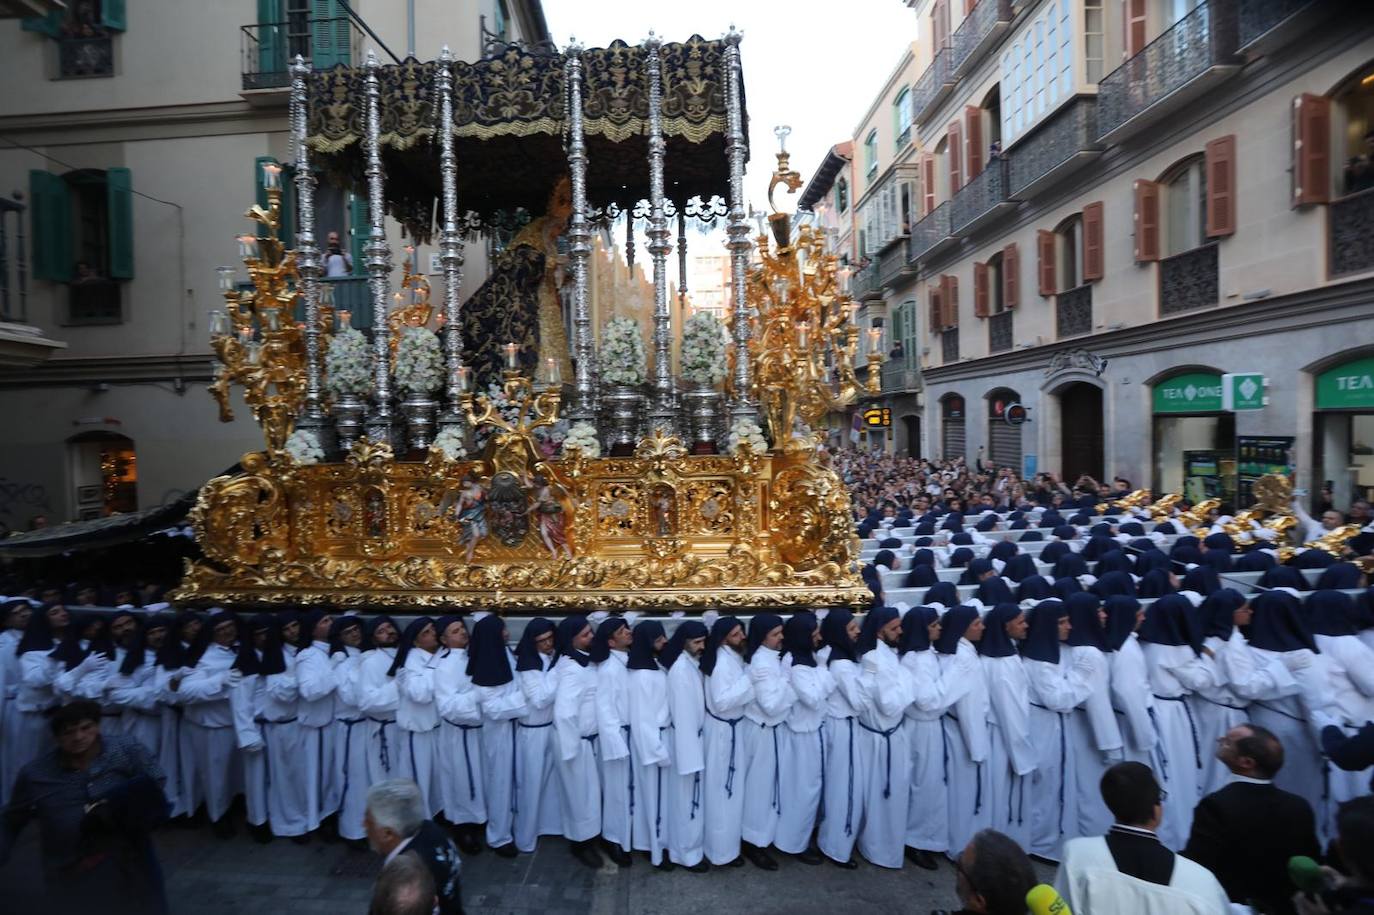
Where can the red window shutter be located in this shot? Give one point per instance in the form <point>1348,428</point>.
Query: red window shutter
<point>973,139</point>
<point>940,24</point>
<point>937,318</point>
<point>927,184</point>
<point>949,297</point>
<point>1135,26</point>
<point>980,290</point>
<point>1146,221</point>
<point>1011,276</point>
<point>954,150</point>
<point>1311,149</point>
<point>968,7</point>
<point>1044,250</point>
<point>1092,242</point>
<point>1221,186</point>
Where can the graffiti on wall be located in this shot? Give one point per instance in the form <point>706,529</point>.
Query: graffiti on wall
<point>19,502</point>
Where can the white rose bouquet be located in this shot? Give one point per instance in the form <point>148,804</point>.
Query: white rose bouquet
<point>747,432</point>
<point>622,358</point>
<point>304,447</point>
<point>582,436</point>
<point>450,442</point>
<point>348,363</point>
<point>419,361</point>
<point>703,349</point>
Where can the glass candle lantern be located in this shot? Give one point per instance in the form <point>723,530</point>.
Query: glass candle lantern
<point>343,320</point>
<point>512,356</point>
<point>248,246</point>
<point>271,176</point>
<point>464,380</point>
<point>227,279</point>
<point>219,323</point>
<point>326,294</point>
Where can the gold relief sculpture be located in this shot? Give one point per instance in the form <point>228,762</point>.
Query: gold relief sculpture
<point>709,507</point>
<point>618,512</point>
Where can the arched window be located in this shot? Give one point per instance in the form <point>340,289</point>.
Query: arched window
<point>842,195</point>
<point>1068,250</point>
<point>104,473</point>
<point>1183,198</point>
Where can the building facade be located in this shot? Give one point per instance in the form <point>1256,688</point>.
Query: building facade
<point>136,139</point>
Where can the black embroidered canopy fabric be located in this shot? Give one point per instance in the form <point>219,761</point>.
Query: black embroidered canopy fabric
<point>510,125</point>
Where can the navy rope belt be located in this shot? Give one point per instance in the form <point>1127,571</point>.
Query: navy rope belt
<point>887,742</point>
<point>522,724</point>
<point>1192,725</point>
<point>348,742</point>
<point>730,774</point>
<point>514,775</point>
<point>384,751</point>
<point>467,756</point>
<point>696,794</point>
<point>849,808</point>
<point>630,766</point>
<point>820,813</point>
<point>1159,746</point>
<point>777,786</point>
<point>1268,707</point>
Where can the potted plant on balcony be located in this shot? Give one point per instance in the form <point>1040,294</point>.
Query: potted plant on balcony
<point>419,372</point>
<point>703,369</point>
<point>348,378</point>
<point>623,367</point>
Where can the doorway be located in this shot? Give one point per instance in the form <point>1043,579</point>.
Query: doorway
<point>912,426</point>
<point>1080,430</point>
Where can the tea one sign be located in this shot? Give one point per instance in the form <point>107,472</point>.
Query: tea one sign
<point>1349,386</point>
<point>1193,392</point>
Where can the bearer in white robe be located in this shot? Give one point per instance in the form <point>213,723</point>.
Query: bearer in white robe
<point>1094,737</point>
<point>1217,708</point>
<point>458,755</point>
<point>315,685</point>
<point>687,711</point>
<point>347,782</point>
<point>651,740</point>
<point>882,741</point>
<point>1132,701</point>
<point>927,817</point>
<point>841,813</point>
<point>575,726</point>
<point>801,759</point>
<point>759,738</point>
<point>728,691</point>
<point>539,807</point>
<point>27,734</point>
<point>377,698</point>
<point>175,663</point>
<point>609,654</point>
<point>136,687</point>
<point>417,714</point>
<point>967,724</point>
<point>1349,684</point>
<point>209,723</point>
<point>1011,754</point>
<point>279,770</point>
<point>14,618</point>
<point>493,676</point>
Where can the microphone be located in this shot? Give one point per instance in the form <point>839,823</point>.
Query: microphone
<point>1043,899</point>
<point>1307,875</point>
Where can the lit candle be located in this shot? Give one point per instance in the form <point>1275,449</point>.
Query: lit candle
<point>254,350</point>
<point>463,379</point>
<point>410,259</point>
<point>512,354</point>
<point>248,246</point>
<point>341,320</point>
<point>271,318</point>
<point>219,323</point>
<point>227,279</point>
<point>552,376</point>
<point>875,335</point>
<point>326,297</point>
<point>300,326</point>
<point>396,301</point>
<point>440,320</point>
<point>245,335</point>
<point>803,331</point>
<point>271,176</point>
<point>843,275</point>
<point>853,309</point>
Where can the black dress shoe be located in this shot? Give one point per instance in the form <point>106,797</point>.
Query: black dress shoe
<point>759,858</point>
<point>302,839</point>
<point>700,867</point>
<point>584,853</point>
<point>738,862</point>
<point>262,833</point>
<point>507,851</point>
<point>922,859</point>
<point>849,865</point>
<point>467,840</point>
<point>224,827</point>
<point>619,857</point>
<point>665,865</point>
<point>810,856</point>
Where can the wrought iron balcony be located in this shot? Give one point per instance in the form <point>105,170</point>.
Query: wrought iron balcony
<point>1180,65</point>
<point>1189,281</point>
<point>865,284</point>
<point>267,48</point>
<point>893,263</point>
<point>931,234</point>
<point>1055,148</point>
<point>1268,24</point>
<point>981,200</point>
<point>899,378</point>
<point>949,345</point>
<point>979,31</point>
<point>352,295</point>
<point>1351,230</point>
<point>933,87</point>
<point>1000,332</point>
<point>85,58</point>
<point>1073,312</point>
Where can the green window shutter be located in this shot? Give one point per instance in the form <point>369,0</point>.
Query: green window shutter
<point>119,190</point>
<point>51,228</point>
<point>329,35</point>
<point>358,229</point>
<point>271,41</point>
<point>112,15</point>
<point>287,232</point>
<point>50,25</point>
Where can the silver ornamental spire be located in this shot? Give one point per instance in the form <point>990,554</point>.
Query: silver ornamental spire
<point>450,246</point>
<point>379,424</point>
<point>662,414</point>
<point>579,243</point>
<point>742,405</point>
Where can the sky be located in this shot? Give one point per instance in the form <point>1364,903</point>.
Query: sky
<point>814,65</point>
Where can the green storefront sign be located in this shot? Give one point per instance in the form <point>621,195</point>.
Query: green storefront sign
<point>1194,392</point>
<point>1347,387</point>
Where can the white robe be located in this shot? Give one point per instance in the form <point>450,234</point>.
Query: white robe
<point>316,685</point>
<point>1133,702</point>
<point>350,776</point>
<point>728,691</point>
<point>417,725</point>
<point>1350,690</point>
<point>687,710</point>
<point>1011,756</point>
<point>927,818</point>
<point>9,689</point>
<point>613,744</point>
<point>1090,883</point>
<point>761,743</point>
<point>27,735</point>
<point>136,694</point>
<point>458,754</point>
<point>377,698</point>
<point>575,725</point>
<point>284,759</point>
<point>1174,671</point>
<point>651,743</point>
<point>801,762</point>
<point>175,757</point>
<point>1094,739</point>
<point>1216,709</point>
<point>886,754</point>
<point>967,729</point>
<point>841,812</point>
<point>1055,690</point>
<point>539,808</point>
<point>501,706</point>
<point>215,763</point>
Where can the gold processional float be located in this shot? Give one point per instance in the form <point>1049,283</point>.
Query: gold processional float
<point>664,526</point>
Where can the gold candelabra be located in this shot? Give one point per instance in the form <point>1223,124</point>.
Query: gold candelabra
<point>418,311</point>
<point>1137,499</point>
<point>258,343</point>
<point>535,407</point>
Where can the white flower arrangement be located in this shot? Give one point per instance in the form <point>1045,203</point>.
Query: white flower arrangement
<point>450,442</point>
<point>419,361</point>
<point>622,358</point>
<point>703,349</point>
<point>746,431</point>
<point>304,447</point>
<point>582,436</point>
<point>509,410</point>
<point>348,363</point>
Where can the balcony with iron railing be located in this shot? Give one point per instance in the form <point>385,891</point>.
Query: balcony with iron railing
<point>934,86</point>
<point>1073,312</point>
<point>1268,24</point>
<point>894,262</point>
<point>865,284</point>
<point>982,199</point>
<point>980,30</point>
<point>268,48</point>
<point>1189,281</point>
<point>1182,64</point>
<point>1054,149</point>
<point>1000,332</point>
<point>1350,222</point>
<point>21,344</point>
<point>900,378</point>
<point>931,234</point>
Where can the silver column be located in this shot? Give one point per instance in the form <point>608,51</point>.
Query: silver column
<point>313,417</point>
<point>584,401</point>
<point>682,263</point>
<point>742,405</point>
<point>662,414</point>
<point>380,421</point>
<point>450,245</point>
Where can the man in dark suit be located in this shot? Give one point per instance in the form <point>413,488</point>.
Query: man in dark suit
<point>395,823</point>
<point>1246,832</point>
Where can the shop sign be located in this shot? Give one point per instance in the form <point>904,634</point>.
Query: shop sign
<point>878,417</point>
<point>1347,387</point>
<point>1243,391</point>
<point>1193,392</point>
<point>1028,466</point>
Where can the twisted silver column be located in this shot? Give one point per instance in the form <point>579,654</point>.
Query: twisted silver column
<point>742,404</point>
<point>379,426</point>
<point>662,414</point>
<point>584,401</point>
<point>450,245</point>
